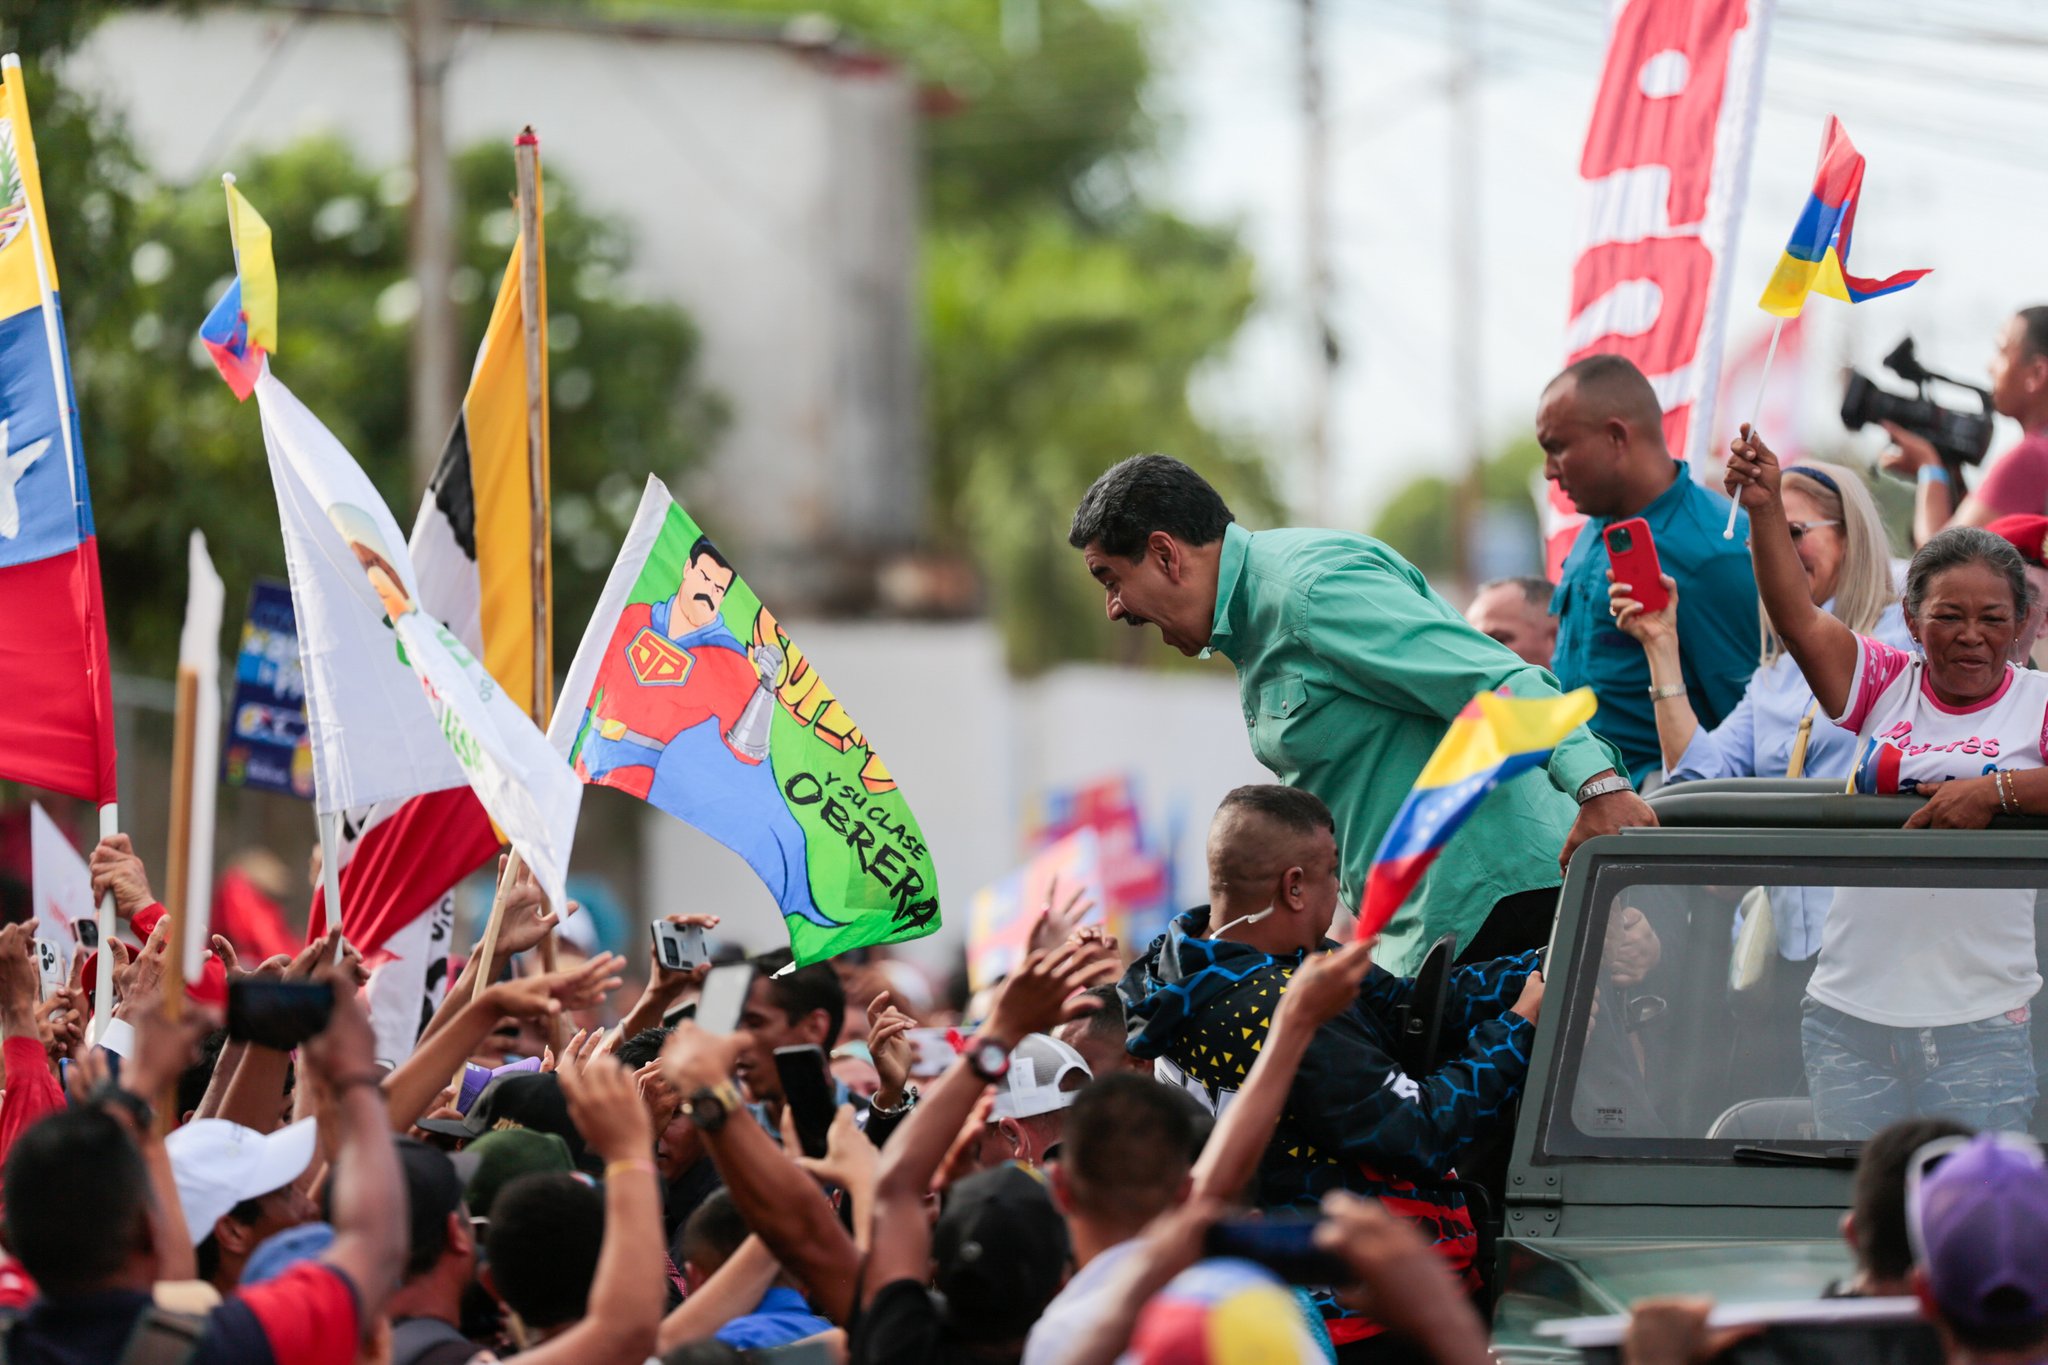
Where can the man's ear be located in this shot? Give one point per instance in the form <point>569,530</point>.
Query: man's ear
<point>1291,883</point>
<point>1061,1200</point>
<point>1013,1134</point>
<point>1848,1227</point>
<point>1161,546</point>
<point>461,1232</point>
<point>239,1238</point>
<point>817,1028</point>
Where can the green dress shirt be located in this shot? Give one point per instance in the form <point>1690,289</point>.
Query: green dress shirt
<point>1350,669</point>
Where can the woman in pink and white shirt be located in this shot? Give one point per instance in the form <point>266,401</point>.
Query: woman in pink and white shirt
<point>1920,1002</point>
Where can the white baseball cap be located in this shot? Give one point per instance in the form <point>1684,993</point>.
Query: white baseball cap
<point>218,1164</point>
<point>1037,1066</point>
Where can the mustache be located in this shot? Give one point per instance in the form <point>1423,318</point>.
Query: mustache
<point>703,597</point>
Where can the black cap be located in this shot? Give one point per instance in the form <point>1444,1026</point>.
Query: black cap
<point>1002,1253</point>
<point>432,1192</point>
<point>523,1101</point>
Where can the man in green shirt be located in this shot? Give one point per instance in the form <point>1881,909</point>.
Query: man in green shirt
<point>1350,668</point>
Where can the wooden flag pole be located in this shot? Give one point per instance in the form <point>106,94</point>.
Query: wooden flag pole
<point>533,318</point>
<point>184,735</point>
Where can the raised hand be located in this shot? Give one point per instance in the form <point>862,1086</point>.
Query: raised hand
<point>1752,477</point>
<point>1644,627</point>
<point>1045,991</point>
<point>315,958</point>
<point>605,1106</point>
<point>850,1159</point>
<point>138,981</point>
<point>346,1049</point>
<point>1052,927</point>
<point>231,962</point>
<point>20,980</point>
<point>114,867</point>
<point>527,919</point>
<point>694,1060</point>
<point>889,1046</point>
<point>163,1048</point>
<point>574,988</point>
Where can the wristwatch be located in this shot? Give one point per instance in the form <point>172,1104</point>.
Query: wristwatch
<point>988,1059</point>
<point>711,1106</point>
<point>1604,786</point>
<point>139,1111</point>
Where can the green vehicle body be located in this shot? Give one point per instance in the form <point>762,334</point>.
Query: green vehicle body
<point>1585,1234</point>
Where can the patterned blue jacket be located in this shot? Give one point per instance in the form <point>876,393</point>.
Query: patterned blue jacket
<point>1353,1119</point>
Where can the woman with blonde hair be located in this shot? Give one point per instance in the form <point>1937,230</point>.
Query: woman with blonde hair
<point>1778,730</point>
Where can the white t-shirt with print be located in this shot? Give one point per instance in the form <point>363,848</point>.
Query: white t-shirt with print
<point>1928,957</point>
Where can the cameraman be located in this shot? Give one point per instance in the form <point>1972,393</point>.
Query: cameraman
<point>2017,481</point>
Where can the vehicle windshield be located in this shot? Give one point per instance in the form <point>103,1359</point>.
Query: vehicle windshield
<point>1793,1008</point>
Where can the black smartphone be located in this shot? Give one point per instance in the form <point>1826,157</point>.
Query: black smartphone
<point>1285,1245</point>
<point>679,947</point>
<point>724,997</point>
<point>808,1091</point>
<point>278,1014</point>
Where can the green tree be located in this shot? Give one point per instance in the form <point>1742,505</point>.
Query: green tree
<point>1064,315</point>
<point>1420,519</point>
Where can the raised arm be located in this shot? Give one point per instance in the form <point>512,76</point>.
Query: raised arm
<point>1044,991</point>
<point>1325,986</point>
<point>1823,647</point>
<point>783,1205</point>
<point>527,920</point>
<point>628,1292</point>
<point>367,1187</point>
<point>410,1088</point>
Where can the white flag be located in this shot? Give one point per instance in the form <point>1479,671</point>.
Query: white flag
<point>63,896</point>
<point>199,654</point>
<point>396,705</point>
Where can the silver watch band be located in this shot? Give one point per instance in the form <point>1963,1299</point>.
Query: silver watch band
<point>1603,786</point>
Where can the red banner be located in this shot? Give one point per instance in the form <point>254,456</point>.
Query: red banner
<point>1665,167</point>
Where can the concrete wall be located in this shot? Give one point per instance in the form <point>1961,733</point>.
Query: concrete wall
<point>770,188</point>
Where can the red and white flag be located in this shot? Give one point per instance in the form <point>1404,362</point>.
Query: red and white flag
<point>1665,168</point>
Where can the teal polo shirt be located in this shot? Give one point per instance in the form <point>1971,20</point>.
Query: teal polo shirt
<point>1719,644</point>
<point>1350,668</point>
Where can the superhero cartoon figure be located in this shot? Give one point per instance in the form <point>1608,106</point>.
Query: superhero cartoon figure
<point>681,720</point>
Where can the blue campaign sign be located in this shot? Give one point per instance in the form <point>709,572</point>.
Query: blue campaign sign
<point>268,746</point>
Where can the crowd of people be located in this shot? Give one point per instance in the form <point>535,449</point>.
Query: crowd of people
<point>1222,1145</point>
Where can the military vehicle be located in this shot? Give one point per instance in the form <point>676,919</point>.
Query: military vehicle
<point>1668,1140</point>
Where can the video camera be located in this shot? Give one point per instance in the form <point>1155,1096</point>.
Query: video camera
<point>1959,437</point>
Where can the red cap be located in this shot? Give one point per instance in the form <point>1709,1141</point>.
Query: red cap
<point>2026,532</point>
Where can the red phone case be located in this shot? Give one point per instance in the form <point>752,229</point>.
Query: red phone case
<point>1637,566</point>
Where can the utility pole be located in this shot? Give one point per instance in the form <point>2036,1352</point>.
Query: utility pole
<point>1467,328</point>
<point>435,368</point>
<point>1316,251</point>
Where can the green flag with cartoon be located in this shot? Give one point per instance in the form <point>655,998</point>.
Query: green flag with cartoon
<point>687,693</point>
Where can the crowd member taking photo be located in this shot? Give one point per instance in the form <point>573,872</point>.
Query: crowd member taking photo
<point>1888,1032</point>
<point>1351,668</point>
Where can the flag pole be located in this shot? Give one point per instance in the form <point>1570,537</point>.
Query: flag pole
<point>1756,408</point>
<point>330,867</point>
<point>533,319</point>
<point>178,865</point>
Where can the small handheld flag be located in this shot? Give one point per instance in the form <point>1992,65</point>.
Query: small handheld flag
<point>1816,259</point>
<point>242,328</point>
<point>1494,738</point>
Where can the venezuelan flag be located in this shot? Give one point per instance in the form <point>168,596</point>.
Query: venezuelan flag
<point>242,328</point>
<point>1816,259</point>
<point>1494,738</point>
<point>57,729</point>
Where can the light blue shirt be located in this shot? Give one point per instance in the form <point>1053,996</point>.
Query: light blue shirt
<point>1756,741</point>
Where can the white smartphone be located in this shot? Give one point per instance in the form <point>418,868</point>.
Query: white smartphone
<point>724,997</point>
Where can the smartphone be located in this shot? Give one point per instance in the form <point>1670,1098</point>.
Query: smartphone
<point>808,1091</point>
<point>724,997</point>
<point>278,1014</point>
<point>1632,554</point>
<point>679,947</point>
<point>1284,1245</point>
<point>931,1052</point>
